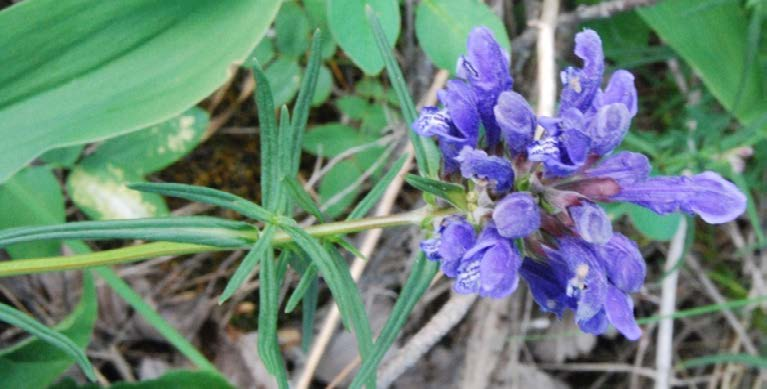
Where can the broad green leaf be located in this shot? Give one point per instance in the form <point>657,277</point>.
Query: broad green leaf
<point>262,54</point>
<point>284,76</point>
<point>318,16</point>
<point>32,197</point>
<point>330,140</point>
<point>353,106</point>
<point>27,323</point>
<point>153,148</point>
<point>652,225</point>
<point>625,37</point>
<point>339,179</point>
<point>348,22</point>
<point>713,40</point>
<point>62,156</point>
<point>259,250</point>
<point>103,194</point>
<point>104,68</point>
<point>175,379</point>
<point>452,193</point>
<point>442,27</point>
<point>372,197</point>
<point>204,230</point>
<point>268,311</point>
<point>324,87</point>
<point>206,195</point>
<point>35,363</point>
<point>418,281</point>
<point>343,176</point>
<point>292,28</point>
<point>427,155</point>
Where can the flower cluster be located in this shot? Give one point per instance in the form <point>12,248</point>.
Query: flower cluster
<point>535,182</point>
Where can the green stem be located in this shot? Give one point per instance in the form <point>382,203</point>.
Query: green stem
<point>157,249</point>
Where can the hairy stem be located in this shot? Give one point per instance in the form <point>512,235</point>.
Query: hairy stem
<point>157,249</point>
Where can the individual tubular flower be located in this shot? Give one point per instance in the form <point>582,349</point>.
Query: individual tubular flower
<point>707,194</point>
<point>517,215</point>
<point>487,171</point>
<point>579,86</point>
<point>453,238</point>
<point>486,67</point>
<point>490,268</point>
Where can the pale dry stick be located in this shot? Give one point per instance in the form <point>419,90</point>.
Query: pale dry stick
<point>546,54</point>
<point>361,179</point>
<point>620,368</point>
<point>667,307</point>
<point>642,347</point>
<point>715,295</point>
<point>448,316</point>
<point>316,176</point>
<point>370,240</point>
<point>349,368</point>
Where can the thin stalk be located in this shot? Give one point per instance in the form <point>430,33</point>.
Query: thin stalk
<point>157,249</point>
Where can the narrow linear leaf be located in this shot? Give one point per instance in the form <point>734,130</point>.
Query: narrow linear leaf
<point>372,197</point>
<point>342,286</point>
<point>348,246</point>
<point>426,153</point>
<point>154,319</point>
<point>260,248</point>
<point>303,103</point>
<point>303,199</point>
<point>203,230</point>
<point>35,363</point>
<point>420,278</point>
<point>309,276</point>
<point>207,196</point>
<point>452,193</point>
<point>308,311</point>
<point>270,166</point>
<point>27,323</point>
<point>268,310</point>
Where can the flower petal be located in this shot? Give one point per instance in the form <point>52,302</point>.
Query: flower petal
<point>625,267</point>
<point>596,324</point>
<point>608,128</point>
<point>591,222</point>
<point>516,120</point>
<point>517,215</point>
<point>621,89</point>
<point>498,270</point>
<point>478,166</point>
<point>620,312</point>
<point>547,287</point>
<point>461,104</point>
<point>624,167</point>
